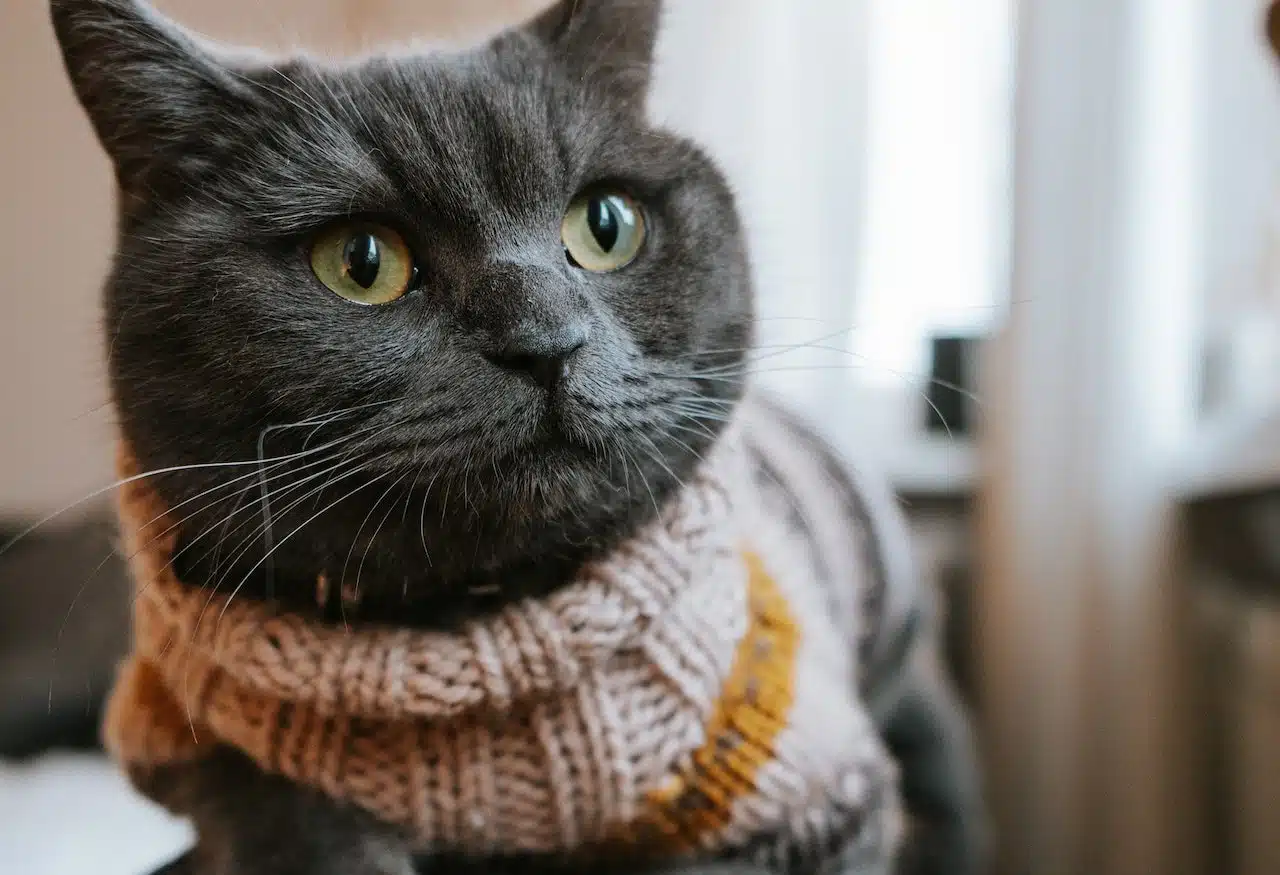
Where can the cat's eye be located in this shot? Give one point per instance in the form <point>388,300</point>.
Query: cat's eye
<point>603,230</point>
<point>364,263</point>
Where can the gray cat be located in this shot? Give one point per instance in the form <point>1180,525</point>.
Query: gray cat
<point>404,258</point>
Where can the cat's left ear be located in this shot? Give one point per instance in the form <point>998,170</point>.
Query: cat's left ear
<point>608,43</point>
<point>148,86</point>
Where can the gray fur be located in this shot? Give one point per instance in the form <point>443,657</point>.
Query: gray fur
<point>219,331</point>
<point>224,348</point>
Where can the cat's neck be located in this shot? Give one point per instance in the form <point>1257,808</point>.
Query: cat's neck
<point>412,561</point>
<point>403,576</point>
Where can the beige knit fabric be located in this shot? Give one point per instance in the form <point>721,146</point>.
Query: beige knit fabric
<point>690,693</point>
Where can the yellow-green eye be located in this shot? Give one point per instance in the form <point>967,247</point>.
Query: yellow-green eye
<point>364,263</point>
<point>603,230</point>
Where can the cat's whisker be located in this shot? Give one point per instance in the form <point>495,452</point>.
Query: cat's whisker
<point>332,472</point>
<point>757,348</point>
<point>697,428</point>
<point>816,319</point>
<point>266,498</point>
<point>374,430</point>
<point>777,350</point>
<point>231,597</point>
<point>247,543</point>
<point>422,518</point>
<point>657,511</point>
<point>170,528</point>
<point>222,527</point>
<point>135,478</point>
<point>702,417</point>
<point>342,576</point>
<point>466,475</point>
<point>701,412</point>
<point>155,519</point>
<point>376,531</point>
<point>700,398</point>
<point>333,415</point>
<point>404,517</point>
<point>656,456</point>
<point>905,379</point>
<point>868,364</point>
<point>213,591</point>
<point>335,470</point>
<point>328,467</point>
<point>701,401</point>
<point>215,550</point>
<point>323,419</point>
<point>444,503</point>
<point>693,413</point>
<point>697,455</point>
<point>626,469</point>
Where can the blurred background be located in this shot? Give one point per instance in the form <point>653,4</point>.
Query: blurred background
<point>1024,254</point>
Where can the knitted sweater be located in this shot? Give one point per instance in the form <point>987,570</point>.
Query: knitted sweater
<point>696,692</point>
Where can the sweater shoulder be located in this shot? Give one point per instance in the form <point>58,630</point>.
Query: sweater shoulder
<point>823,490</point>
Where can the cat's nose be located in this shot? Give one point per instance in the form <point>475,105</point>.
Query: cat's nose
<point>541,356</point>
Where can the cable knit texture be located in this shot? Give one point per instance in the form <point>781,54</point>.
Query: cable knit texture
<point>693,693</point>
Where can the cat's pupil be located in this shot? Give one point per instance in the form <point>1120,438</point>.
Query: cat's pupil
<point>603,223</point>
<point>362,259</point>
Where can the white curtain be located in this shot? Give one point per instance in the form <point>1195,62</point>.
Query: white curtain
<point>1091,393</point>
<point>869,143</point>
<point>778,93</point>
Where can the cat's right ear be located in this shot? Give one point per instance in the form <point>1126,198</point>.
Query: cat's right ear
<point>145,84</point>
<point>607,43</point>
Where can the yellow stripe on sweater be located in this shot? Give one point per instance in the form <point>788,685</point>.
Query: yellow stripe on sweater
<point>696,803</point>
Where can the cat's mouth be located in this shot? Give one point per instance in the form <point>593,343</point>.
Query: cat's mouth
<point>556,436</point>
<point>555,421</point>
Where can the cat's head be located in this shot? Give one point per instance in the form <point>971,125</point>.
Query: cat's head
<point>500,313</point>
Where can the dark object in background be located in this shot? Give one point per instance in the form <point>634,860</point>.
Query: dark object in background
<point>950,386</point>
<point>51,693</point>
<point>928,732</point>
<point>1272,25</point>
<point>956,580</point>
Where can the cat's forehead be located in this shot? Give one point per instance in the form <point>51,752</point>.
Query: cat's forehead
<point>458,133</point>
<point>471,114</point>
<point>463,97</point>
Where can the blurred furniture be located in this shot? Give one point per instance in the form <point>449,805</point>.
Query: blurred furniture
<point>941,512</point>
<point>1230,485</point>
<point>64,625</point>
<point>1232,521</point>
<point>941,526</point>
